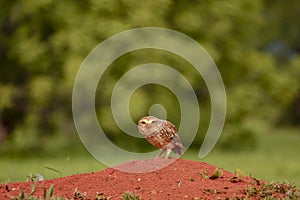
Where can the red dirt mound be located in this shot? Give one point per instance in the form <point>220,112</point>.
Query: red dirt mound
<point>182,179</point>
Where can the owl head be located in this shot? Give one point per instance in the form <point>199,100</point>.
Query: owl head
<point>150,125</point>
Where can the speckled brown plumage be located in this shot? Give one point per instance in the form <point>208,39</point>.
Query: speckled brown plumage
<point>162,134</point>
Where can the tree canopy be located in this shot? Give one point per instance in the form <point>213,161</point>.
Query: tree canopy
<point>255,45</point>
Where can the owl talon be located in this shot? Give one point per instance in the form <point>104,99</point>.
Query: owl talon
<point>160,153</point>
<point>168,153</point>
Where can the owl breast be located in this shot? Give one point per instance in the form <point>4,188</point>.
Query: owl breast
<point>164,136</point>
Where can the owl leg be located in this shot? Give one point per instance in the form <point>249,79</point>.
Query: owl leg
<point>161,152</point>
<point>168,153</point>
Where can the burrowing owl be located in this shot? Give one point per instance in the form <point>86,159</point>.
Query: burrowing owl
<point>162,134</point>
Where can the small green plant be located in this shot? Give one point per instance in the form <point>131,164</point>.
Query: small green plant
<point>205,174</point>
<point>100,196</point>
<point>60,172</point>
<point>179,184</point>
<point>238,176</point>
<point>7,188</point>
<point>34,177</point>
<point>78,195</point>
<point>48,194</point>
<point>130,196</point>
<point>211,191</point>
<point>218,173</point>
<point>239,173</point>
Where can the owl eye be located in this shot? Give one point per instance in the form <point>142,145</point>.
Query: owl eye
<point>143,122</point>
<point>153,122</point>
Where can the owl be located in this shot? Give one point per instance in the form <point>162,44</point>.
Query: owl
<point>162,134</point>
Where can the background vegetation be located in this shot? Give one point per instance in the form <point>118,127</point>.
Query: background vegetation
<point>255,45</point>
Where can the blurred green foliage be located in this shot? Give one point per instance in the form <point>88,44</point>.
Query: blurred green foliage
<point>255,45</point>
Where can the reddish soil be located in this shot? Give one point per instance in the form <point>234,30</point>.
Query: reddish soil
<point>182,179</point>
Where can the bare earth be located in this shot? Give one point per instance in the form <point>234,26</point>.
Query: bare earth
<point>183,179</point>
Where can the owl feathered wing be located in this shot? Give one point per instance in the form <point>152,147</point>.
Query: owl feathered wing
<point>174,138</point>
<point>178,145</point>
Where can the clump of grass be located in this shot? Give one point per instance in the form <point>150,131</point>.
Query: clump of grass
<point>22,194</point>
<point>130,196</point>
<point>48,194</point>
<point>274,190</point>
